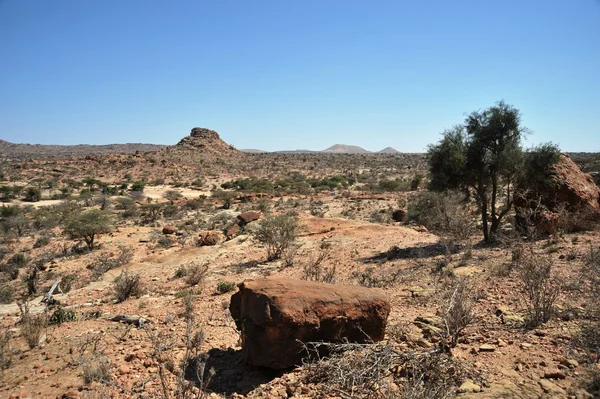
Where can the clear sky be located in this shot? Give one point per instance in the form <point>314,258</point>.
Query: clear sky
<point>287,74</point>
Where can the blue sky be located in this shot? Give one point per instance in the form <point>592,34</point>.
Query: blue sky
<point>295,74</point>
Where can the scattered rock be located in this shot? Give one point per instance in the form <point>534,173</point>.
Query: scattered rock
<point>555,374</point>
<point>249,216</point>
<point>210,238</point>
<point>552,389</point>
<point>276,315</point>
<point>232,231</point>
<point>469,387</point>
<point>168,230</point>
<point>486,348</point>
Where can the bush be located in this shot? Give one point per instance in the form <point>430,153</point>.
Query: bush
<point>195,272</point>
<point>5,350</point>
<point>60,316</point>
<point>96,370</point>
<point>277,233</point>
<point>172,195</point>
<point>138,186</point>
<point>33,194</point>
<point>459,314</point>
<point>446,214</point>
<point>224,287</point>
<point>127,285</point>
<point>7,293</point>
<point>104,263</point>
<point>32,326</point>
<point>535,272</point>
<point>43,240</point>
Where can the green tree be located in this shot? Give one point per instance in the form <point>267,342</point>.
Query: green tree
<point>33,194</point>
<point>88,225</point>
<point>483,155</point>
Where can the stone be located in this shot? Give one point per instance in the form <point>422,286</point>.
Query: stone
<point>167,230</point>
<point>249,216</point>
<point>555,374</point>
<point>232,231</point>
<point>570,363</point>
<point>570,189</point>
<point>468,387</point>
<point>486,348</point>
<point>209,238</point>
<point>276,315</point>
<point>551,389</point>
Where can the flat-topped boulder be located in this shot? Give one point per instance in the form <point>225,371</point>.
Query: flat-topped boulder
<point>276,316</point>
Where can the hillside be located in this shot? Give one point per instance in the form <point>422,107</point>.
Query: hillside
<point>388,150</point>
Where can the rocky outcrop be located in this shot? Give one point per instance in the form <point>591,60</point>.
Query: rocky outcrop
<point>570,201</point>
<point>275,316</point>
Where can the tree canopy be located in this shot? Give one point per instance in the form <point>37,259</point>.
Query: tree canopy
<point>484,156</point>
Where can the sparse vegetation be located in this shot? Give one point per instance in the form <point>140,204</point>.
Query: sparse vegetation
<point>126,285</point>
<point>88,225</point>
<point>277,233</point>
<point>541,288</point>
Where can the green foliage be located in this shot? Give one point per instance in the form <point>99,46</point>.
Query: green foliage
<point>393,185</point>
<point>484,155</point>
<point>60,316</point>
<point>138,186</point>
<point>88,225</point>
<point>224,287</point>
<point>33,194</point>
<point>443,213</point>
<point>277,233</point>
<point>536,178</point>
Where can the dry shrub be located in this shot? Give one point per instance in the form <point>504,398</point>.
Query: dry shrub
<point>458,315</point>
<point>277,233</point>
<point>380,279</point>
<point>313,268</point>
<point>379,370</point>
<point>105,262</point>
<point>96,370</point>
<point>194,272</point>
<point>542,289</point>
<point>127,285</point>
<point>7,293</point>
<point>191,366</point>
<point>32,326</point>
<point>5,350</point>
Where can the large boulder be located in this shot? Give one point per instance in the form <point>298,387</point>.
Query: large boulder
<point>275,316</point>
<point>570,201</point>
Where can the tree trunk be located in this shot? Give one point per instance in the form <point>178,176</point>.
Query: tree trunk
<point>484,214</point>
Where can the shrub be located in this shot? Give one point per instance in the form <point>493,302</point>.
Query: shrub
<point>127,285</point>
<point>33,194</point>
<point>224,287</point>
<point>172,195</point>
<point>32,326</point>
<point>313,268</point>
<point>535,272</point>
<point>60,316</point>
<point>138,186</point>
<point>5,350</point>
<point>104,263</point>
<point>195,272</point>
<point>459,314</point>
<point>7,293</point>
<point>42,240</point>
<point>277,233</point>
<point>446,214</point>
<point>96,370</point>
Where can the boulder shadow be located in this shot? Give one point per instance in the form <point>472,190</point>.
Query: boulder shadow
<point>227,373</point>
<point>414,252</point>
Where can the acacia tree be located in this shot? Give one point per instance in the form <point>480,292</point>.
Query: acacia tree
<point>483,155</point>
<point>88,224</point>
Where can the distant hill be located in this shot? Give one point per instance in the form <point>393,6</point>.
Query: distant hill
<point>345,149</point>
<point>20,151</point>
<point>253,151</point>
<point>388,150</point>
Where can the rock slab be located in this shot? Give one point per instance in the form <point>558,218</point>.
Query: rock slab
<point>276,316</point>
